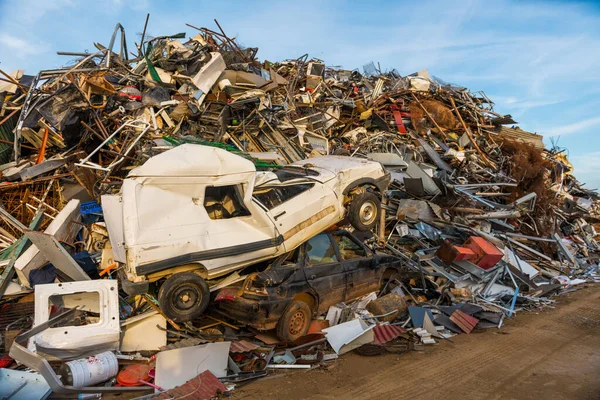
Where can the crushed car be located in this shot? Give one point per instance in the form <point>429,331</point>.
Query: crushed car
<point>329,268</point>
<point>195,214</point>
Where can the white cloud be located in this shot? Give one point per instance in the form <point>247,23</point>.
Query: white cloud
<point>587,163</point>
<point>20,47</point>
<point>27,12</point>
<point>576,127</point>
<point>516,103</point>
<point>587,166</point>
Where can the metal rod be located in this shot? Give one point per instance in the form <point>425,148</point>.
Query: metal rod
<point>143,35</point>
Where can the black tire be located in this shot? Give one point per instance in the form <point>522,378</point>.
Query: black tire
<point>294,322</point>
<point>183,296</point>
<point>364,211</point>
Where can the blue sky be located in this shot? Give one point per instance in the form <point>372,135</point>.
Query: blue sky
<point>539,61</point>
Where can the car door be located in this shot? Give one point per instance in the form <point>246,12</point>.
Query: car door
<point>358,264</point>
<point>324,272</point>
<point>299,210</point>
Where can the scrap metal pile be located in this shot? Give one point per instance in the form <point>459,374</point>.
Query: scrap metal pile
<point>485,220</point>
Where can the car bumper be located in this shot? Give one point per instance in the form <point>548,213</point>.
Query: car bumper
<point>132,288</point>
<point>259,314</point>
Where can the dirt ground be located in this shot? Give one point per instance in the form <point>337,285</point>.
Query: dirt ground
<point>553,354</point>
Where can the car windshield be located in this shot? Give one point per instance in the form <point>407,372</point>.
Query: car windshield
<point>272,197</point>
<point>290,172</point>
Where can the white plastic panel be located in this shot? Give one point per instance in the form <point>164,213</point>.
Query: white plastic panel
<point>92,338</point>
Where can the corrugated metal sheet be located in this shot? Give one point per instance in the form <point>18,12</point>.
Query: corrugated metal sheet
<point>464,321</point>
<point>203,387</point>
<point>385,333</point>
<point>521,135</point>
<point>242,346</point>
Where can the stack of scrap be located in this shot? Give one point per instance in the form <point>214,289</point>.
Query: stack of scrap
<point>487,222</point>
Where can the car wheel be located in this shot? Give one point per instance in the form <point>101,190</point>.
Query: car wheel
<point>364,210</point>
<point>294,322</point>
<point>183,296</point>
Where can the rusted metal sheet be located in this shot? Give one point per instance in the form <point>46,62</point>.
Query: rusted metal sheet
<point>203,387</point>
<point>184,343</point>
<point>385,333</point>
<point>464,321</point>
<point>242,346</point>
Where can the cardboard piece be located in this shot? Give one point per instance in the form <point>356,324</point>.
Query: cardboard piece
<point>144,334</point>
<point>176,367</point>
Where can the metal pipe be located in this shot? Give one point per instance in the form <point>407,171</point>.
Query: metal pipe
<point>123,50</point>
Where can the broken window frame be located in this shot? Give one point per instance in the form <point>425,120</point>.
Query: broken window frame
<point>337,238</point>
<point>238,202</point>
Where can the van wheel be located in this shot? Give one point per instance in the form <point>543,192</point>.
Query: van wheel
<point>294,322</point>
<point>183,296</point>
<point>364,210</point>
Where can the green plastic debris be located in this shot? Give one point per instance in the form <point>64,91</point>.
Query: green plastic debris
<point>151,68</point>
<point>259,164</point>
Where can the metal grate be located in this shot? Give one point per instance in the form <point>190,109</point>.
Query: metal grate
<point>10,314</point>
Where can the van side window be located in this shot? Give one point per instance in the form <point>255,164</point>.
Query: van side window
<point>224,202</point>
<point>274,196</point>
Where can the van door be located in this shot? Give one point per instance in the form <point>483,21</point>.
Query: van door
<point>300,210</point>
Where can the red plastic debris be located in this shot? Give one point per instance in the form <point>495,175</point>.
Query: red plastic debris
<point>6,361</point>
<point>227,294</point>
<point>131,375</point>
<point>486,254</point>
<point>131,92</point>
